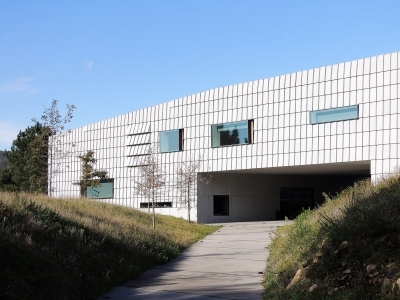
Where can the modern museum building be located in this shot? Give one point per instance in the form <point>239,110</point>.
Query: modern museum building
<point>269,147</point>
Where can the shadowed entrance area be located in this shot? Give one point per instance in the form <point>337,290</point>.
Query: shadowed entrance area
<point>228,264</point>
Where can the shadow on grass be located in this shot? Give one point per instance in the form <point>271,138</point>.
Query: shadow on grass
<point>46,256</point>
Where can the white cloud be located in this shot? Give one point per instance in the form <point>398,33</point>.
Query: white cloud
<point>19,85</point>
<point>8,133</point>
<point>89,65</point>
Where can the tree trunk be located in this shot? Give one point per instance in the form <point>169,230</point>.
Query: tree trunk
<point>154,219</point>
<point>188,199</point>
<point>154,212</point>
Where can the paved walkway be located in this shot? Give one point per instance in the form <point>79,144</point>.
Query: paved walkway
<point>227,264</point>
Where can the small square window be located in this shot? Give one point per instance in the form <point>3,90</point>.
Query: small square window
<point>221,205</point>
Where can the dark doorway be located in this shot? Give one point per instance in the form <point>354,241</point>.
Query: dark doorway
<point>221,205</point>
<point>294,201</point>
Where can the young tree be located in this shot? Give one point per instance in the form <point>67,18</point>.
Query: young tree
<point>50,144</point>
<point>28,169</point>
<point>90,176</point>
<point>187,181</point>
<point>151,179</point>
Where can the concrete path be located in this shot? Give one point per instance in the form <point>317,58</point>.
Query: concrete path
<point>227,264</point>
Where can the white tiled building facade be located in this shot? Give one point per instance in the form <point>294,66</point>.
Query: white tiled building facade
<point>272,160</point>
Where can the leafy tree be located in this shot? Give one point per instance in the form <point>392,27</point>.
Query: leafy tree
<point>50,144</point>
<point>187,182</point>
<point>28,170</point>
<point>90,176</point>
<point>151,180</point>
<point>6,182</point>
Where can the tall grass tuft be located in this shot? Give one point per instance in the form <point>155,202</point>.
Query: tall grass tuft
<point>78,248</point>
<point>345,249</point>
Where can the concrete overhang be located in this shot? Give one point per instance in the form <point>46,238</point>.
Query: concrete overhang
<point>358,168</point>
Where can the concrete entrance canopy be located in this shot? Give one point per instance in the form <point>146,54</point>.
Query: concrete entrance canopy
<point>359,168</point>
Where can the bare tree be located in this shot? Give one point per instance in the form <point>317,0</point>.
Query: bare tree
<point>186,184</point>
<point>90,176</point>
<point>151,180</point>
<point>50,143</point>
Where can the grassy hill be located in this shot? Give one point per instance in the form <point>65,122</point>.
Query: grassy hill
<point>349,248</point>
<point>80,249</point>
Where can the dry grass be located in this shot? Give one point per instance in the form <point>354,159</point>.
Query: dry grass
<point>78,248</point>
<point>333,245</point>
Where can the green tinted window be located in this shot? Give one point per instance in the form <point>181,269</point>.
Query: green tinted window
<point>171,140</point>
<point>334,114</point>
<point>105,190</point>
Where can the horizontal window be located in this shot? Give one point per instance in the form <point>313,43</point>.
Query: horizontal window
<point>103,191</point>
<point>171,140</point>
<point>156,204</point>
<point>334,114</point>
<point>235,133</point>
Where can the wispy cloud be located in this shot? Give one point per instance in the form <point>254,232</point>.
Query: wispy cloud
<point>21,84</point>
<point>8,133</point>
<point>89,65</point>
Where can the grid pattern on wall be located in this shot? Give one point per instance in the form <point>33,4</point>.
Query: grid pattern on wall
<point>283,136</point>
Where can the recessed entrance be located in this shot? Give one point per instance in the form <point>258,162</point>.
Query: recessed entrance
<point>273,193</point>
<point>294,200</point>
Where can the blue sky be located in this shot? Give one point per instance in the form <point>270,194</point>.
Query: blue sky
<point>112,57</point>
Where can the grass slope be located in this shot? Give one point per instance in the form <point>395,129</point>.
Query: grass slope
<point>346,249</point>
<point>80,249</point>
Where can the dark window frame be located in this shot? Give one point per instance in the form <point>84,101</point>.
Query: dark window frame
<point>180,140</point>
<point>156,204</point>
<point>250,134</point>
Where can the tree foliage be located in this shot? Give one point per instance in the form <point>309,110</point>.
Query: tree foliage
<point>49,145</point>
<point>151,180</point>
<point>90,176</point>
<point>28,170</point>
<point>6,182</point>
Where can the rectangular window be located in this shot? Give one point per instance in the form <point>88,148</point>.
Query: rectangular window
<point>104,191</point>
<point>171,140</point>
<point>334,114</point>
<point>221,205</point>
<point>235,133</point>
<point>156,204</point>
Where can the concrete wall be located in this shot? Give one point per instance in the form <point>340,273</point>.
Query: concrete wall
<point>256,197</point>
